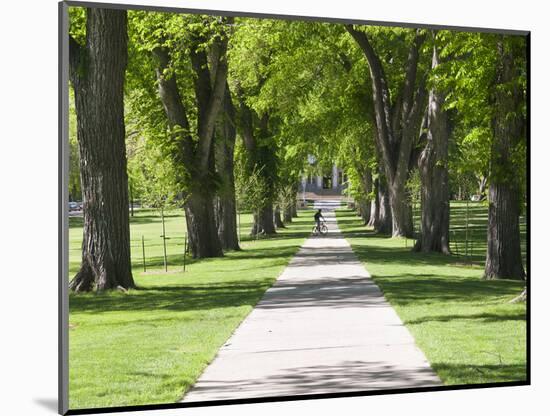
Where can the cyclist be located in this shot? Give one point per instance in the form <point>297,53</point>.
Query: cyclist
<point>318,217</point>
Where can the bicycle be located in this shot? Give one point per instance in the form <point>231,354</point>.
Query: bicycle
<point>321,230</point>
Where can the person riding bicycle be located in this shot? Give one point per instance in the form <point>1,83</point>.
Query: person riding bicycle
<point>318,217</point>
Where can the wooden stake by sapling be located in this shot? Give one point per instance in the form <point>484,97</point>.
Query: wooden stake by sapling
<point>164,240</point>
<point>257,225</point>
<point>456,244</point>
<point>184,251</point>
<point>467,221</point>
<point>131,200</point>
<point>143,252</point>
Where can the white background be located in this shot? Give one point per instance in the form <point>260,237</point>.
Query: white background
<point>28,204</point>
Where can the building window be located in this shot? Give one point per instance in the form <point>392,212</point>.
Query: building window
<point>340,178</point>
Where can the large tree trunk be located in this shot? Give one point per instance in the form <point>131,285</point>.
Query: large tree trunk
<point>277,221</point>
<point>289,201</point>
<point>202,226</point>
<point>375,206</point>
<point>434,176</point>
<point>294,206</point>
<point>263,222</point>
<point>363,204</point>
<point>401,213</point>
<point>97,74</point>
<point>261,158</point>
<point>384,221</point>
<point>199,206</point>
<point>294,210</point>
<point>195,158</point>
<point>287,213</point>
<point>396,123</point>
<point>225,202</point>
<point>226,214</point>
<point>503,259</point>
<point>364,210</point>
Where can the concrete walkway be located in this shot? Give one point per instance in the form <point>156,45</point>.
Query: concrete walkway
<point>323,327</point>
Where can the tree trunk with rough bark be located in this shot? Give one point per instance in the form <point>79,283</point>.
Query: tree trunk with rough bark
<point>287,214</point>
<point>226,211</point>
<point>263,222</point>
<point>384,221</point>
<point>226,219</point>
<point>364,204</point>
<point>396,123</point>
<point>364,210</point>
<point>294,209</point>
<point>503,259</point>
<point>435,176</point>
<point>202,225</point>
<point>294,206</point>
<point>97,73</point>
<point>277,217</point>
<point>375,206</point>
<point>196,157</point>
<point>261,158</point>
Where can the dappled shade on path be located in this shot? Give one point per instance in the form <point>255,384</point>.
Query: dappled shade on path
<point>323,327</point>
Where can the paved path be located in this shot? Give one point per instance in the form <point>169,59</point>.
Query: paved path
<point>323,327</point>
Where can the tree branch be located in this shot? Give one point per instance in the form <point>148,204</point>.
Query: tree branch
<point>215,100</point>
<point>245,122</point>
<point>381,97</point>
<point>173,107</point>
<point>202,84</point>
<point>410,76</point>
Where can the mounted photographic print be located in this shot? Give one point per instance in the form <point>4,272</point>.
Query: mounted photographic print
<point>260,208</point>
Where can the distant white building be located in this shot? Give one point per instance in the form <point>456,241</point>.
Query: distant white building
<point>333,181</point>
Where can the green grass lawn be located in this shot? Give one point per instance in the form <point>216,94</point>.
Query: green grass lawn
<point>150,345</point>
<point>464,325</point>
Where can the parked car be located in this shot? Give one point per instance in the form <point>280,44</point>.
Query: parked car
<point>73,206</point>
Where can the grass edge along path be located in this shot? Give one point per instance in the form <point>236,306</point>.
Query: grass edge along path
<point>465,326</point>
<point>149,346</point>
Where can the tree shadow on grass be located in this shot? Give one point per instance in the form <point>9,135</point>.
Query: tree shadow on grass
<point>276,254</point>
<point>408,288</point>
<point>148,218</point>
<point>418,287</point>
<point>353,221</point>
<point>485,317</point>
<point>460,374</point>
<point>75,222</point>
<point>284,235</point>
<point>174,298</point>
<point>268,253</point>
<point>398,255</point>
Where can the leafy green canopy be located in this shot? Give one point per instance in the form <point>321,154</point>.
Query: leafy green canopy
<point>468,75</point>
<point>313,82</point>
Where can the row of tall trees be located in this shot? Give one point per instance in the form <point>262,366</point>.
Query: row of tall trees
<point>220,113</point>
